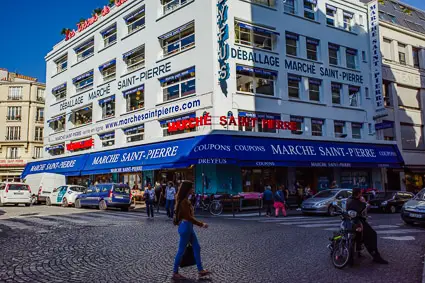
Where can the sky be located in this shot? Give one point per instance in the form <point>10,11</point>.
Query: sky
<point>27,38</point>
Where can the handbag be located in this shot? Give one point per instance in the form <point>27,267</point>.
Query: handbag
<point>188,258</point>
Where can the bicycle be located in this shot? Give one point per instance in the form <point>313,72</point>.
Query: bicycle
<point>213,205</point>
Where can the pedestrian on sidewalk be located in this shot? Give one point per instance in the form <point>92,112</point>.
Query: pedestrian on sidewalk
<point>279,201</point>
<point>149,200</point>
<point>185,219</point>
<point>300,194</point>
<point>286,195</point>
<point>268,200</point>
<point>170,193</point>
<point>158,195</point>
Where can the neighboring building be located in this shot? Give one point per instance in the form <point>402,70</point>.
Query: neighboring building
<point>131,93</point>
<point>22,120</point>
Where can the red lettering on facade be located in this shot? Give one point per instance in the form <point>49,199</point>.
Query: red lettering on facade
<point>80,145</point>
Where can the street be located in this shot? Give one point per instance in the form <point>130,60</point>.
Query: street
<point>54,244</point>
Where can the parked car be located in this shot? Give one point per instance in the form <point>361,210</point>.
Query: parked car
<point>104,196</point>
<point>43,184</point>
<point>414,209</point>
<point>65,195</point>
<point>321,203</point>
<point>15,193</point>
<point>389,201</point>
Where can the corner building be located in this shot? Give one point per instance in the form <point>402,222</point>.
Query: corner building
<point>232,94</point>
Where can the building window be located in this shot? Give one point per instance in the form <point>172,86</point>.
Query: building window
<point>57,149</point>
<point>415,57</point>
<point>361,20</point>
<point>258,126</point>
<point>40,94</point>
<point>294,86</point>
<point>178,40</point>
<point>13,133</point>
<point>339,129</point>
<point>402,53</point>
<point>255,80</point>
<point>178,85</point>
<point>292,44</point>
<point>108,70</point>
<point>15,93</point>
<point>108,139</point>
<point>39,116</point>
<point>312,48</point>
<point>254,36</point>
<point>299,121</point>
<point>268,3</point>
<point>333,50</point>
<point>62,63</point>
<point>411,137</point>
<point>331,15</point>
<point>135,59</point>
<point>13,153</point>
<point>364,59</point>
<point>336,93</point>
<point>386,94</point>
<point>314,89</point>
<point>108,107</point>
<point>38,134</point>
<point>82,116</point>
<point>135,98</point>
<point>386,49</point>
<point>57,123</point>
<point>14,113</point>
<point>389,134</point>
<point>317,127</point>
<point>84,81</point>
<point>164,125</point>
<point>354,96</point>
<point>170,5</point>
<point>38,152</point>
<point>351,55</point>
<point>310,9</point>
<point>348,20</point>
<point>290,6</point>
<point>136,20</point>
<point>109,35</point>
<point>85,50</point>
<point>356,130</point>
<point>59,92</point>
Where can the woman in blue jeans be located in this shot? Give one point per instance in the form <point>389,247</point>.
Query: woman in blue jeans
<point>185,220</point>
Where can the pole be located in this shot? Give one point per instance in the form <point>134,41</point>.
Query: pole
<point>259,205</point>
<point>233,206</point>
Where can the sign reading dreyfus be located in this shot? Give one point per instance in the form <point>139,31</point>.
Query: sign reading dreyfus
<point>223,46</point>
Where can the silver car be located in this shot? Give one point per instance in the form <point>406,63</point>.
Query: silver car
<point>321,202</point>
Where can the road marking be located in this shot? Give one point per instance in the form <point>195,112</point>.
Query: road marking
<point>401,238</point>
<point>385,226</point>
<point>40,221</point>
<point>20,226</point>
<point>318,225</point>
<point>310,222</point>
<point>63,218</point>
<point>400,231</point>
<point>297,218</point>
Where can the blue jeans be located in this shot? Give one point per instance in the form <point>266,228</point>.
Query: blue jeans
<point>187,234</point>
<point>149,207</point>
<point>169,207</point>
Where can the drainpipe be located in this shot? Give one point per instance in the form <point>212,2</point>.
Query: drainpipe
<point>29,119</point>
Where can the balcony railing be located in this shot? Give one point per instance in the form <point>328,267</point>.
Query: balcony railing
<point>13,118</point>
<point>14,98</point>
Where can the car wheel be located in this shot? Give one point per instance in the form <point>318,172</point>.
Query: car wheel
<point>124,208</point>
<point>102,205</point>
<point>65,202</point>
<point>77,203</point>
<point>408,222</point>
<point>331,210</point>
<point>27,204</point>
<point>48,202</point>
<point>392,209</point>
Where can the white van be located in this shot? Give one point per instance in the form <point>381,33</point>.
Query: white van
<point>43,184</point>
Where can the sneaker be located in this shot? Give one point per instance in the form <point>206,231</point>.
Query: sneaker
<point>177,277</point>
<point>203,273</point>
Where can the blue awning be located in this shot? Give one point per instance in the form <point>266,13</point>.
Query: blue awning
<point>177,119</point>
<point>136,128</point>
<point>177,75</point>
<point>107,135</point>
<point>175,31</point>
<point>292,77</point>
<point>312,1</point>
<point>315,81</point>
<point>297,119</point>
<point>107,99</point>
<point>82,76</point>
<point>258,29</point>
<point>291,35</point>
<point>259,115</point>
<point>337,86</point>
<point>330,7</point>
<point>384,125</point>
<point>351,51</point>
<point>112,28</point>
<point>133,90</point>
<point>313,41</point>
<point>131,52</point>
<point>257,70</point>
<point>59,87</point>
<point>134,14</point>
<point>57,118</point>
<point>84,45</point>
<point>333,46</point>
<point>348,14</point>
<point>53,147</point>
<point>107,64</point>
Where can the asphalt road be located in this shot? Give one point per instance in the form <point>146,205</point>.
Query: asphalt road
<point>45,244</point>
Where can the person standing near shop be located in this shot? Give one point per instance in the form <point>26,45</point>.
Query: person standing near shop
<point>158,193</point>
<point>279,202</point>
<point>268,200</point>
<point>149,200</point>
<point>334,185</point>
<point>170,193</point>
<point>300,194</point>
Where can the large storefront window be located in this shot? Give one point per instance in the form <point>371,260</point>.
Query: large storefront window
<point>414,181</point>
<point>178,40</point>
<point>355,179</point>
<point>133,180</point>
<point>174,175</point>
<point>176,121</point>
<point>258,126</point>
<point>135,20</point>
<point>82,116</point>
<point>254,36</point>
<point>60,91</point>
<point>255,80</point>
<point>135,59</point>
<point>135,98</point>
<point>57,123</point>
<point>84,81</point>
<point>135,133</point>
<point>108,107</point>
<point>255,179</point>
<point>179,85</point>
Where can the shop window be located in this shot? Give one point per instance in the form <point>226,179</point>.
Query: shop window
<point>402,53</point>
<point>135,20</point>
<point>317,127</point>
<point>290,6</point>
<point>14,113</point>
<point>109,35</point>
<point>411,137</point>
<point>331,15</point>
<point>108,139</point>
<point>135,98</point>
<point>61,63</point>
<point>13,133</point>
<point>351,58</point>
<point>85,50</point>
<point>355,179</point>
<point>258,125</point>
<point>38,152</point>
<point>356,130</point>
<point>314,89</point>
<point>299,121</point>
<point>82,116</point>
<point>57,149</point>
<point>255,80</point>
<point>164,125</point>
<point>254,36</point>
<point>294,82</point>
<point>292,43</point>
<point>415,52</point>
<point>313,49</point>
<point>339,129</point>
<point>15,93</point>
<point>336,93</point>
<point>178,85</point>
<point>310,9</point>
<point>59,92</point>
<point>408,97</point>
<point>178,40</point>
<point>108,70</point>
<point>13,153</point>
<point>84,81</point>
<point>170,5</point>
<point>38,134</point>
<point>135,59</point>
<point>348,20</point>
<point>108,107</point>
<point>57,123</point>
<point>134,134</point>
<point>333,50</point>
<point>354,96</point>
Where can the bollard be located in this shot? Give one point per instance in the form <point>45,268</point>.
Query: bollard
<point>259,205</point>
<point>233,205</point>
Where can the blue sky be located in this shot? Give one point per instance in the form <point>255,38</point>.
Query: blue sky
<point>29,33</point>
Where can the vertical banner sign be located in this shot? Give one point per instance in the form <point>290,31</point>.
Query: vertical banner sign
<point>375,51</point>
<point>223,46</point>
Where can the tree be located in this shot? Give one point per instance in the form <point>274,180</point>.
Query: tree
<point>97,11</point>
<point>64,31</point>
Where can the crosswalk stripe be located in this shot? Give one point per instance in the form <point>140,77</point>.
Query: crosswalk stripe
<point>286,219</point>
<point>61,218</point>
<point>399,231</point>
<point>310,222</point>
<point>39,221</point>
<point>124,215</point>
<point>20,226</point>
<point>400,238</point>
<point>318,225</point>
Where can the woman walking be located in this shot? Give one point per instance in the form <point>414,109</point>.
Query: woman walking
<point>185,219</point>
<point>279,201</point>
<point>170,193</point>
<point>149,200</point>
